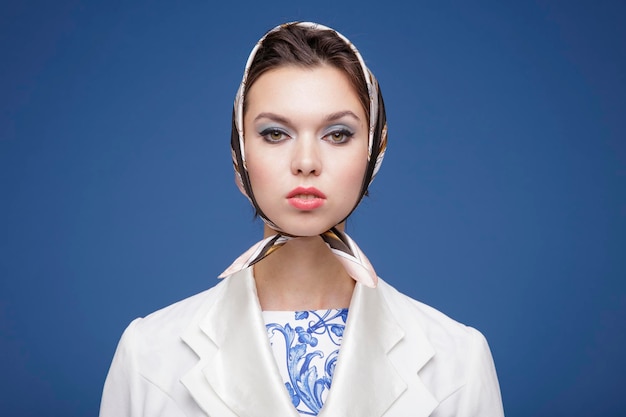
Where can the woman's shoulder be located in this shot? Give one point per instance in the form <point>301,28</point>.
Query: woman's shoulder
<point>459,369</point>
<point>174,318</point>
<point>437,325</point>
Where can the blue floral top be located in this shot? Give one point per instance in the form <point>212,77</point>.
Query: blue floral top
<point>306,347</point>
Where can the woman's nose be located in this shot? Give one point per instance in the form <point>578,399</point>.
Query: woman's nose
<point>306,157</point>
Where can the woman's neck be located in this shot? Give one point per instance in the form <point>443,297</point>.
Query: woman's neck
<point>302,275</point>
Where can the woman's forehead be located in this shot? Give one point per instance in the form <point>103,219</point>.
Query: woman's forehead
<point>321,89</point>
<point>307,97</point>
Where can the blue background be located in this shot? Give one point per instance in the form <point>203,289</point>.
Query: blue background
<point>502,200</point>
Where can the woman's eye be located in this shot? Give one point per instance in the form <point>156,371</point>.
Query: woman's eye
<point>339,136</point>
<point>273,135</point>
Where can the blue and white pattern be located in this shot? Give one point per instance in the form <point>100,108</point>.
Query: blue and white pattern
<point>306,347</point>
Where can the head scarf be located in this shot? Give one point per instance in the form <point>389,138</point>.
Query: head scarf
<point>348,253</point>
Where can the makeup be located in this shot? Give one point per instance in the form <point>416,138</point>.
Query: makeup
<point>306,198</point>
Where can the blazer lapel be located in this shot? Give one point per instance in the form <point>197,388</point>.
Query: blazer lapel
<point>367,381</point>
<point>377,370</point>
<point>236,362</point>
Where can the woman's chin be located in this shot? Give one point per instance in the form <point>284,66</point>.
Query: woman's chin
<point>302,229</point>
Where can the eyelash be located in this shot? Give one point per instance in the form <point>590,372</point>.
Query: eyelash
<point>346,135</point>
<point>265,134</point>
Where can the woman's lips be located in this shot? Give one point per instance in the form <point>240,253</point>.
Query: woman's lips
<point>306,198</point>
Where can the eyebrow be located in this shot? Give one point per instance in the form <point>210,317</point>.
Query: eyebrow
<point>330,118</point>
<point>272,116</point>
<point>335,116</point>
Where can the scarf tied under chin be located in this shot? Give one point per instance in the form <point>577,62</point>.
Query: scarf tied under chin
<point>342,246</point>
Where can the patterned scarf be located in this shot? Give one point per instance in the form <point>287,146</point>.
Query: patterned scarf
<point>342,246</point>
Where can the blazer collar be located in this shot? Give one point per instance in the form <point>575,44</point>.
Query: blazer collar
<point>237,364</point>
<point>367,381</point>
<point>240,366</point>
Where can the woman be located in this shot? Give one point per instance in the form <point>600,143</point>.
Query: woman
<point>301,324</point>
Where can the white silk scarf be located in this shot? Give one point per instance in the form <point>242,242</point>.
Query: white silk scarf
<point>342,246</point>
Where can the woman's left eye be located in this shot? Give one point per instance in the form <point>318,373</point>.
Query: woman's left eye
<point>339,136</point>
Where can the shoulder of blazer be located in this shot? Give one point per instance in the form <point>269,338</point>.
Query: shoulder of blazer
<point>173,319</point>
<point>436,325</point>
<point>453,343</point>
<point>155,340</point>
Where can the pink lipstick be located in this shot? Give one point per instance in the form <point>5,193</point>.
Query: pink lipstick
<point>306,198</point>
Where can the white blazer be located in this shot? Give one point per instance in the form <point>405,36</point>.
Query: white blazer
<point>209,355</point>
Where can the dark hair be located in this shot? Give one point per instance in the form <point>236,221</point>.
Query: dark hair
<point>306,47</point>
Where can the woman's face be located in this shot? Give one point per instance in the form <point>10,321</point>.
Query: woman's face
<point>306,138</point>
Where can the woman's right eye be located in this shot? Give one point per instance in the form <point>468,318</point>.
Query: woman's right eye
<point>273,135</point>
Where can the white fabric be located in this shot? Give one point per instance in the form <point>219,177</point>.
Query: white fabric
<point>209,355</point>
